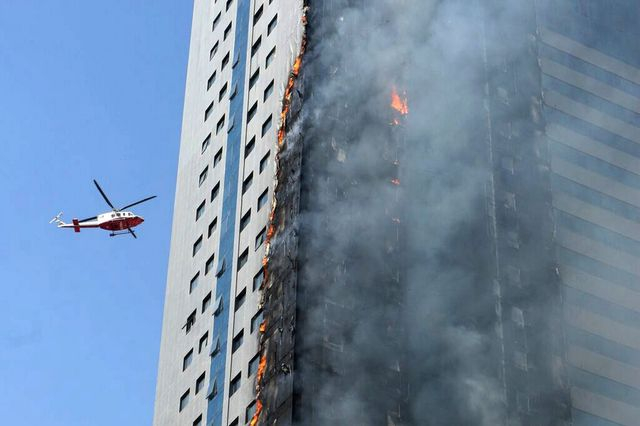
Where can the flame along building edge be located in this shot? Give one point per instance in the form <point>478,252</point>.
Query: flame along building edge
<point>559,125</point>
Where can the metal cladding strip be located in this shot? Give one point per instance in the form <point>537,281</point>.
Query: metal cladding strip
<point>229,206</point>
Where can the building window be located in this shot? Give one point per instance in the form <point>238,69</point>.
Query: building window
<point>235,422</point>
<point>191,320</point>
<point>252,112</point>
<point>257,280</point>
<point>520,360</point>
<point>236,59</point>
<point>216,21</point>
<point>229,3</point>
<point>206,302</point>
<point>225,61</point>
<point>272,25</point>
<point>258,14</point>
<point>186,361</point>
<point>184,400</point>
<point>205,144</point>
<point>250,411</point>
<point>268,91</point>
<point>247,183</point>
<point>266,125</point>
<point>234,91</point>
<point>249,147</point>
<point>254,78</point>
<point>263,198</point>
<point>264,161</point>
<point>193,284</point>
<point>227,31</point>
<point>240,298</point>
<point>245,220</point>
<point>219,128</point>
<point>200,382</point>
<point>203,176</point>
<point>196,246</point>
<point>217,158</point>
<point>209,265</point>
<point>208,111</point>
<point>270,57</point>
<point>253,365</point>
<point>200,211</point>
<point>222,92</point>
<point>212,227</point>
<point>215,191</point>
<point>242,259</point>
<point>237,341</point>
<point>261,237</point>
<point>256,46</point>
<point>232,122</point>
<point>235,384</point>
<point>212,79</point>
<point>198,421</point>
<point>204,341</point>
<point>257,320</point>
<point>213,51</point>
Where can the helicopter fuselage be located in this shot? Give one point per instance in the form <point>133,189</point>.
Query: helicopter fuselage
<point>111,221</point>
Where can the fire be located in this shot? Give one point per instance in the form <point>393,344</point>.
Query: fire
<point>256,415</point>
<point>286,101</point>
<point>395,181</point>
<point>261,367</point>
<point>399,103</point>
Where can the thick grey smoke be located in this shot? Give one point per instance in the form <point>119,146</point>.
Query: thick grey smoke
<point>400,322</point>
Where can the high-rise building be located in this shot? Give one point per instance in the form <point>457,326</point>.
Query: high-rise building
<point>450,235</point>
<point>591,81</point>
<point>241,54</point>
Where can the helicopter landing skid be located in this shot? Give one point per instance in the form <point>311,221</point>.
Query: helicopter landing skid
<point>115,234</point>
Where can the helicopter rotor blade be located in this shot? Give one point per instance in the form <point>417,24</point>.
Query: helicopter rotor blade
<point>138,202</point>
<point>132,233</point>
<point>104,195</point>
<point>88,219</point>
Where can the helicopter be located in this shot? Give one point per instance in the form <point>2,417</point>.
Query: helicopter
<point>116,220</point>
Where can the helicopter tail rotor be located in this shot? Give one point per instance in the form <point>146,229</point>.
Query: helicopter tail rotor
<point>57,220</point>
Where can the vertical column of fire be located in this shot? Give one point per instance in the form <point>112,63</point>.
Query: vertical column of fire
<point>282,129</point>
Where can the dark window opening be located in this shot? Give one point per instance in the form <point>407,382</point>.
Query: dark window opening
<point>240,298</point>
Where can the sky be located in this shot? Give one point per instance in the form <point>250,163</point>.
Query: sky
<point>88,90</point>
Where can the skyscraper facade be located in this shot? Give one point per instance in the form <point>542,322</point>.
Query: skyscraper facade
<point>241,54</point>
<point>444,232</point>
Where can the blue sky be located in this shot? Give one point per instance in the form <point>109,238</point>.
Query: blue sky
<point>88,89</point>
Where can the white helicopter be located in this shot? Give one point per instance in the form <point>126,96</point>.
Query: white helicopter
<point>115,220</point>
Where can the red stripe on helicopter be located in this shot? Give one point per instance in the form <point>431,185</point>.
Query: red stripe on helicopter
<point>76,225</point>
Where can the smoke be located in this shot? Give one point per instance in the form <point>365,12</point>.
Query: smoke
<point>397,310</point>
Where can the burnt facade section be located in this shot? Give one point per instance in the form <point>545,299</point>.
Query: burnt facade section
<point>412,276</point>
<point>528,282</point>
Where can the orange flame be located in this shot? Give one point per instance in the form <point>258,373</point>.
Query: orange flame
<point>286,101</point>
<point>263,326</point>
<point>256,415</point>
<point>262,366</point>
<point>399,103</point>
